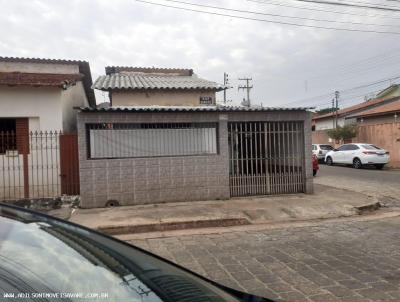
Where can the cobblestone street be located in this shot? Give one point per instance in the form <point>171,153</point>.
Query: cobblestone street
<point>349,261</point>
<point>384,184</point>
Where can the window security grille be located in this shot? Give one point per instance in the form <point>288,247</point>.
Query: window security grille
<point>119,140</point>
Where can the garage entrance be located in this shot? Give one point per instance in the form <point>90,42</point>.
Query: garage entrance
<point>266,158</point>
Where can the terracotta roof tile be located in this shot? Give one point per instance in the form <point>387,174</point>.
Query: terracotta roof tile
<point>84,69</point>
<point>384,109</point>
<point>37,79</point>
<point>354,108</point>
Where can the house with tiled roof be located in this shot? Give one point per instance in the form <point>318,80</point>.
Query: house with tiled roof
<point>38,150</point>
<point>138,86</point>
<point>348,115</point>
<point>378,122</point>
<point>388,113</point>
<point>39,94</point>
<point>165,139</point>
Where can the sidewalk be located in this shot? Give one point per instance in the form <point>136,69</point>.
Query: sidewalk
<point>327,202</point>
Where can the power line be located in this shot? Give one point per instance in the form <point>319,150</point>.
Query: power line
<point>344,90</point>
<point>361,65</point>
<point>323,10</point>
<point>347,4</point>
<point>269,21</point>
<point>368,3</point>
<point>276,15</point>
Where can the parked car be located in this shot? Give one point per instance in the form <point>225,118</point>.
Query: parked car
<point>358,155</point>
<point>315,164</point>
<point>320,150</point>
<point>48,259</point>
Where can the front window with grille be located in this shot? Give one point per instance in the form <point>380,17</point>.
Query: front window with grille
<point>119,140</point>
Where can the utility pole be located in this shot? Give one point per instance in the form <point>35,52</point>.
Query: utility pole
<point>333,109</point>
<point>248,87</point>
<point>226,82</point>
<point>336,108</point>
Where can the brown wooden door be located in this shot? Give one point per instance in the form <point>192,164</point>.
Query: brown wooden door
<point>69,164</point>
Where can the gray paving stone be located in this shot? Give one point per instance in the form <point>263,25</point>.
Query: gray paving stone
<point>339,291</point>
<point>324,298</point>
<point>349,262</point>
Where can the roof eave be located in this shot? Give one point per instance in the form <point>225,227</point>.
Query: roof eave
<point>122,89</point>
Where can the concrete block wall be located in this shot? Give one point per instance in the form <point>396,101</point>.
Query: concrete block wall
<point>149,180</point>
<point>133,181</point>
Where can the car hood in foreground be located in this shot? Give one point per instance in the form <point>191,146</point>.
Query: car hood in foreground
<point>47,259</point>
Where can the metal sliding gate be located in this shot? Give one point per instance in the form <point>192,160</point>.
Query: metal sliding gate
<point>266,158</point>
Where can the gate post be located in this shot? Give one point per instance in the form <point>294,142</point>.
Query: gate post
<point>22,140</point>
<point>26,174</point>
<point>224,151</point>
<point>309,181</point>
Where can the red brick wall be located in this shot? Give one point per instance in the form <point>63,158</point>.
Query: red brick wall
<point>22,133</point>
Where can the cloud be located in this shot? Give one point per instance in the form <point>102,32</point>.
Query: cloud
<point>286,63</point>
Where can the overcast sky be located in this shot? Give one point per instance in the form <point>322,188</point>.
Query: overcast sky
<point>288,64</point>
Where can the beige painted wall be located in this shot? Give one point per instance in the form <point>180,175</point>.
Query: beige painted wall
<point>38,68</point>
<point>170,98</point>
<point>327,123</point>
<point>41,102</point>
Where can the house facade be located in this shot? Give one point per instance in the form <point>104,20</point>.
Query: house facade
<point>142,155</point>
<point>388,113</point>
<point>37,100</point>
<point>164,139</point>
<point>43,92</point>
<point>377,120</point>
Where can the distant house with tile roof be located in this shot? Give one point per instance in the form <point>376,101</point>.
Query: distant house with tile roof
<point>387,113</point>
<point>348,115</point>
<point>39,94</point>
<point>137,86</point>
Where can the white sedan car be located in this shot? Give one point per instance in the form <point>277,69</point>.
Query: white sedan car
<point>358,155</point>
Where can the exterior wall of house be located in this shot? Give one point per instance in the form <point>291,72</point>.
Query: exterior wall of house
<point>384,135</point>
<point>40,104</point>
<point>161,98</point>
<point>379,119</point>
<point>38,68</point>
<point>168,179</point>
<point>74,96</point>
<point>327,123</point>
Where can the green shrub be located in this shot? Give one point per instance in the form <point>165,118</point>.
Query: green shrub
<point>343,133</point>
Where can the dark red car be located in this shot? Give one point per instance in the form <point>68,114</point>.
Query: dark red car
<point>315,165</point>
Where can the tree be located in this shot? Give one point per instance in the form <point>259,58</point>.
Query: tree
<point>343,133</point>
<point>326,110</point>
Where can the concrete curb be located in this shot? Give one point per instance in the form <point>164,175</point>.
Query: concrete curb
<point>166,226</point>
<point>173,226</point>
<point>257,227</point>
<point>368,208</point>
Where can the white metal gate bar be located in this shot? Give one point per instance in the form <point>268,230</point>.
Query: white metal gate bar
<point>266,158</point>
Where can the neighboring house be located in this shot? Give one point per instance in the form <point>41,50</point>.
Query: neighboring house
<point>41,93</point>
<point>378,123</point>
<point>388,113</point>
<point>38,153</point>
<point>344,116</point>
<point>165,139</point>
<point>136,86</point>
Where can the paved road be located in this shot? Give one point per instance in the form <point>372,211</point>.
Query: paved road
<point>350,261</point>
<point>382,183</point>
